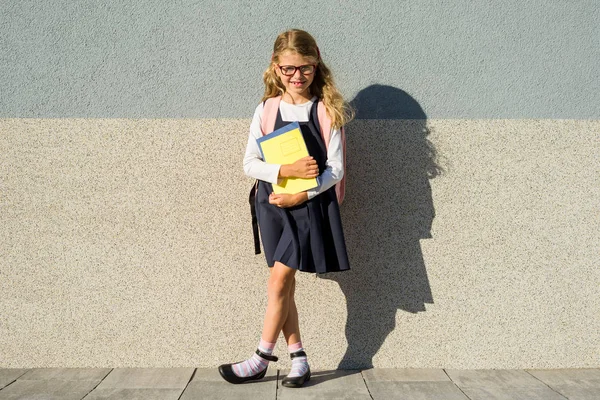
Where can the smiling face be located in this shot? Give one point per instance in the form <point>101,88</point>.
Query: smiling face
<point>297,86</point>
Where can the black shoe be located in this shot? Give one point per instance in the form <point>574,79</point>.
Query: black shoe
<point>296,381</point>
<point>227,372</point>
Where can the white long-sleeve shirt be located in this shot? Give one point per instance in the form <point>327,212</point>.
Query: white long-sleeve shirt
<point>256,167</point>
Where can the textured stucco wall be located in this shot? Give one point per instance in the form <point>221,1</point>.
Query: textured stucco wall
<point>473,184</point>
<point>126,242</point>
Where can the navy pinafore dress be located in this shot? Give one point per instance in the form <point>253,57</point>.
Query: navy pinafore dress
<point>307,237</point>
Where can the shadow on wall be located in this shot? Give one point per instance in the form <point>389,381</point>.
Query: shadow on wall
<point>388,208</point>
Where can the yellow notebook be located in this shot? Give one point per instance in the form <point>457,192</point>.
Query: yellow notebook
<point>286,146</point>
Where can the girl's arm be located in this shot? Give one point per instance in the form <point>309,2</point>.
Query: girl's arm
<point>334,170</point>
<point>285,200</point>
<point>254,166</point>
<point>333,173</point>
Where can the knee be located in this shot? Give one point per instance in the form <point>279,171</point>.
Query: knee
<point>280,286</point>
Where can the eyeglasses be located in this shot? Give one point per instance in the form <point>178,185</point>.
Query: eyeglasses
<point>290,70</point>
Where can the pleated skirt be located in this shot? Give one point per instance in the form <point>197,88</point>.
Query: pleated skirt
<point>308,237</point>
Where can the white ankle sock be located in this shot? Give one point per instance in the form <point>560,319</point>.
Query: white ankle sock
<point>254,364</point>
<point>299,364</point>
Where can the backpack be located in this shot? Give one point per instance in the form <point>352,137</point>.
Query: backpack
<point>270,109</point>
<point>267,126</point>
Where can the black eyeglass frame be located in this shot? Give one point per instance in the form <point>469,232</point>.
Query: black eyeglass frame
<point>299,68</point>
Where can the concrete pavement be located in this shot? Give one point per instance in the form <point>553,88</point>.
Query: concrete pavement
<point>377,384</point>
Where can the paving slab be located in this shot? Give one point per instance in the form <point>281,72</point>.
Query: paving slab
<point>134,394</point>
<point>56,389</point>
<point>66,374</point>
<point>147,378</point>
<point>502,385</point>
<point>492,377</point>
<point>207,384</point>
<point>575,384</point>
<point>376,384</point>
<point>330,385</point>
<point>507,393</point>
<point>405,375</point>
<point>415,391</point>
<point>414,384</point>
<point>8,375</point>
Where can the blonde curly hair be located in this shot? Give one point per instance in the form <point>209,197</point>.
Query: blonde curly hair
<point>323,86</point>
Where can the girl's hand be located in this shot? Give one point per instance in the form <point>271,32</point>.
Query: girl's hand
<point>285,200</point>
<point>306,167</point>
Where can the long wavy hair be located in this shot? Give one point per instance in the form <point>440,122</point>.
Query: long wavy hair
<point>323,86</point>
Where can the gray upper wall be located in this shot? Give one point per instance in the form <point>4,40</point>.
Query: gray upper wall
<point>199,59</point>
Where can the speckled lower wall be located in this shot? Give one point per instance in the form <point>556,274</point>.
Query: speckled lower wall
<point>473,243</point>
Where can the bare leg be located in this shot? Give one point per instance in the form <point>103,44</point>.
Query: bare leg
<point>300,371</point>
<point>279,288</point>
<point>291,327</point>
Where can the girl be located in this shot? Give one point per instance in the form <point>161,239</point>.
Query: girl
<point>303,231</point>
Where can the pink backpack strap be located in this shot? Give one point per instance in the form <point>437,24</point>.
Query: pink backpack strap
<point>325,124</point>
<point>267,124</point>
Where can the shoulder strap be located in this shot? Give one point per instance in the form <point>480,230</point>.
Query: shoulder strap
<point>270,108</point>
<point>252,199</point>
<point>325,124</point>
